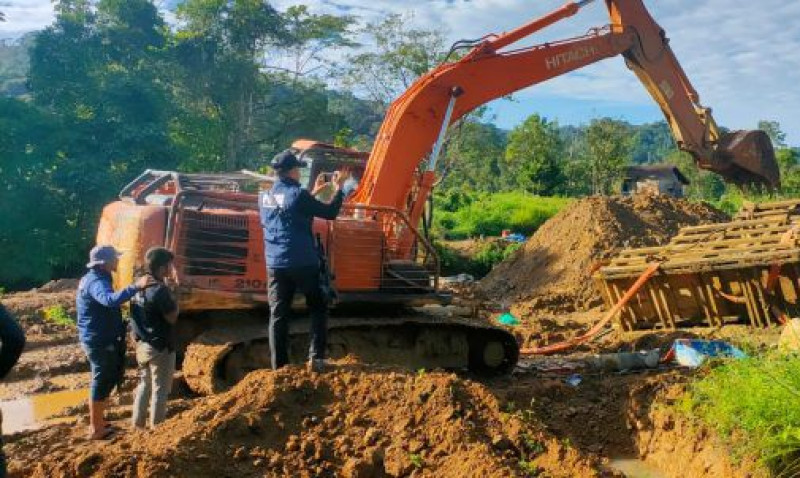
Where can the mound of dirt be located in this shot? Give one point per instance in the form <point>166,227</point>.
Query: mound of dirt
<point>553,269</point>
<point>59,285</point>
<point>29,306</point>
<point>355,421</point>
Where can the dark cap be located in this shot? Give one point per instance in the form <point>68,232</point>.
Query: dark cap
<point>286,160</point>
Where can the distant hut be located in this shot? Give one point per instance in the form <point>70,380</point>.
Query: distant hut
<point>658,179</point>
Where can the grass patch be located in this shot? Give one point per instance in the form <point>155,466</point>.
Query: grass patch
<point>489,215</point>
<point>758,400</point>
<point>57,314</point>
<point>478,264</point>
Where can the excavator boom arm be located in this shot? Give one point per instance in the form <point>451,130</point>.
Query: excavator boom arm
<point>418,117</point>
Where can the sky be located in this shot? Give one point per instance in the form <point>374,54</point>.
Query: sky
<point>742,56</point>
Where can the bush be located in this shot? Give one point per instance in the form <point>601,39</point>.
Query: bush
<point>479,263</point>
<point>755,399</point>
<point>493,253</point>
<point>58,315</point>
<point>489,215</point>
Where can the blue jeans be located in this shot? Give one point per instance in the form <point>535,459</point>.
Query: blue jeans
<point>106,367</point>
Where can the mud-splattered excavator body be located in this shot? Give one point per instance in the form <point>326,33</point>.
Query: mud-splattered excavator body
<point>376,257</point>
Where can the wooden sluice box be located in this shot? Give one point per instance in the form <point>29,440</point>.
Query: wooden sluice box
<point>746,271</point>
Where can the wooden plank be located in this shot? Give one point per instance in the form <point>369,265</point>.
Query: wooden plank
<point>654,299</point>
<point>700,299</point>
<point>621,317</point>
<point>663,291</point>
<point>761,300</point>
<point>712,301</point>
<point>752,312</point>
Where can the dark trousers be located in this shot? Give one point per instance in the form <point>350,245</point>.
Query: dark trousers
<point>283,283</point>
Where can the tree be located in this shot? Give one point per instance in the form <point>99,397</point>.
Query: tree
<point>533,156</point>
<point>652,143</point>
<point>246,112</point>
<point>220,44</point>
<point>400,54</point>
<point>101,71</point>
<point>473,159</point>
<point>308,39</point>
<point>32,222</point>
<point>608,148</point>
<point>773,130</point>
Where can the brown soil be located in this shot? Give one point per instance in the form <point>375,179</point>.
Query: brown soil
<point>52,359</point>
<point>553,269</point>
<point>629,416</point>
<point>363,420</point>
<point>353,421</point>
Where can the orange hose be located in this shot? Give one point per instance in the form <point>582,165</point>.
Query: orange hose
<point>568,344</point>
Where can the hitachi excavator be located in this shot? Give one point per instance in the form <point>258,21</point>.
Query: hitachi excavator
<point>374,250</point>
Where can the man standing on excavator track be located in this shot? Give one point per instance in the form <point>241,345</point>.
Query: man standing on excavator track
<point>287,213</point>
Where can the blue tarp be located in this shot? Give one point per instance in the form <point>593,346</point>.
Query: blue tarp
<point>692,353</point>
<point>515,237</point>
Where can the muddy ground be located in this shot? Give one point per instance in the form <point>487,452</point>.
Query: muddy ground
<point>369,420</point>
<point>553,416</point>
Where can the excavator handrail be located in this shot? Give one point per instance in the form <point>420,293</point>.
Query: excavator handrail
<point>413,231</point>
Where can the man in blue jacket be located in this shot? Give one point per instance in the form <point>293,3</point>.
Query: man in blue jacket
<point>287,213</point>
<point>102,332</point>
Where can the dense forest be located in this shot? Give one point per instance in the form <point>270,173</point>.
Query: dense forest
<point>110,88</point>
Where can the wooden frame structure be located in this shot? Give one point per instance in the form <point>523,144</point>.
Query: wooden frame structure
<point>745,270</point>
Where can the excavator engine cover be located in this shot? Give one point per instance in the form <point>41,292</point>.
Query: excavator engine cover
<point>747,157</point>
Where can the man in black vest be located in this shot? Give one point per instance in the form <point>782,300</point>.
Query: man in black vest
<point>287,213</point>
<point>154,311</point>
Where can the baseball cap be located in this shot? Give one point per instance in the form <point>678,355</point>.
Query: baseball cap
<point>286,160</point>
<point>101,255</point>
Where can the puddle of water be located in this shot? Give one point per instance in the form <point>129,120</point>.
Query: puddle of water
<point>32,412</point>
<point>635,468</point>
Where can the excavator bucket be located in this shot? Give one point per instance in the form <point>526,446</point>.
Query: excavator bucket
<point>747,158</point>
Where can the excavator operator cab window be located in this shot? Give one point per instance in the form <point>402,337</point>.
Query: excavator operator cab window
<point>306,178</point>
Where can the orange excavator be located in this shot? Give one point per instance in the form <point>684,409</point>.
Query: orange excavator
<point>374,251</point>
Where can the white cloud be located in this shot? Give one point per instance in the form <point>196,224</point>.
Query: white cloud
<point>741,55</point>
<point>24,15</point>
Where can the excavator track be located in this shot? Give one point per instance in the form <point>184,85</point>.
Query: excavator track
<point>223,355</point>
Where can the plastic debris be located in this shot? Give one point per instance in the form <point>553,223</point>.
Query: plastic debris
<point>574,380</point>
<point>515,237</point>
<point>508,319</point>
<point>692,352</point>
<point>458,279</point>
<point>623,361</point>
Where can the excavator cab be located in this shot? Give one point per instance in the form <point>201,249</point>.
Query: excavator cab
<point>324,158</point>
<point>746,158</point>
